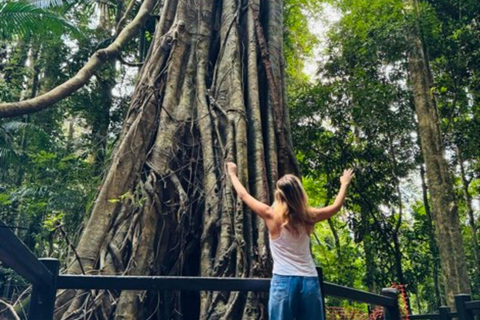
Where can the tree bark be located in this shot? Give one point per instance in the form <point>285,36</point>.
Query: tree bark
<point>445,211</point>
<point>398,223</point>
<point>165,206</point>
<point>432,242</point>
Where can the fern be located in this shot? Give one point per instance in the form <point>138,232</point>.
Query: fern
<point>34,191</point>
<point>7,155</point>
<point>22,18</point>
<point>9,152</point>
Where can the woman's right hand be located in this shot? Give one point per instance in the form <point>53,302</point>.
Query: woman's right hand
<point>231,168</point>
<point>347,176</point>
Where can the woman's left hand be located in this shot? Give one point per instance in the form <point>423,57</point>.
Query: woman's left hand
<point>347,177</point>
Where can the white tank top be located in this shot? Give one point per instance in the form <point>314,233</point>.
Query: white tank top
<point>291,254</point>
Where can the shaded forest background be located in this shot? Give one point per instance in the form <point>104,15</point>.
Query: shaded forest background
<point>356,110</point>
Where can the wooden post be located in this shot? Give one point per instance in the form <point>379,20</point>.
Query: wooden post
<point>443,313</point>
<point>463,312</point>
<point>391,312</point>
<point>42,301</point>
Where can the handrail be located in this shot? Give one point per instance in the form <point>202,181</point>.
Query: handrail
<point>68,281</point>
<point>357,295</point>
<point>466,310</point>
<point>46,280</point>
<point>15,254</point>
<point>470,305</point>
<point>424,316</point>
<point>167,283</point>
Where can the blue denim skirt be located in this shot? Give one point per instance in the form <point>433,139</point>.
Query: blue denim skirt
<point>295,297</point>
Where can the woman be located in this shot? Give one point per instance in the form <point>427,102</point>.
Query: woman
<point>294,290</point>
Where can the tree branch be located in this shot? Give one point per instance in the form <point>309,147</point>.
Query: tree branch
<point>101,56</point>
<point>7,311</point>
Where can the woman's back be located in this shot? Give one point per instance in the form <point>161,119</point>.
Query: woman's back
<point>291,254</point>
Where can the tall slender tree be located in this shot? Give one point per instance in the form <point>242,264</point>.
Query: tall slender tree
<point>444,206</point>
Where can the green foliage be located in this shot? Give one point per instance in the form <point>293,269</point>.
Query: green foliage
<point>47,3</point>
<point>454,50</point>
<point>53,220</point>
<point>342,261</point>
<point>298,40</point>
<point>48,171</point>
<point>360,114</point>
<point>419,265</point>
<point>19,18</point>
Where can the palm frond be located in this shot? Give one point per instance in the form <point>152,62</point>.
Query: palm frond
<point>9,151</point>
<point>13,126</point>
<point>31,192</point>
<point>46,3</point>
<point>21,18</point>
<point>7,155</point>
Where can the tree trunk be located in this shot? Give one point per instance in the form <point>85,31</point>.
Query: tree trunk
<point>396,228</point>
<point>471,218</point>
<point>165,206</point>
<point>105,85</point>
<point>432,243</point>
<point>368,248</point>
<point>101,121</point>
<point>445,211</point>
<point>33,85</point>
<point>338,246</point>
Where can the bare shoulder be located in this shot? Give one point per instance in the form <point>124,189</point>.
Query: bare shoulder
<point>274,224</point>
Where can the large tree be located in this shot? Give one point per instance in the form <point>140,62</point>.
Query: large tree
<point>444,206</point>
<point>211,89</point>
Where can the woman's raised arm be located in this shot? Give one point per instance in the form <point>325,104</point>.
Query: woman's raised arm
<point>328,211</point>
<point>260,208</point>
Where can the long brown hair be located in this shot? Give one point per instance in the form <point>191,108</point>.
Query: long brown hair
<point>290,193</point>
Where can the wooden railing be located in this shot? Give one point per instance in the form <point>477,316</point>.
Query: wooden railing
<point>46,280</point>
<point>466,309</point>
